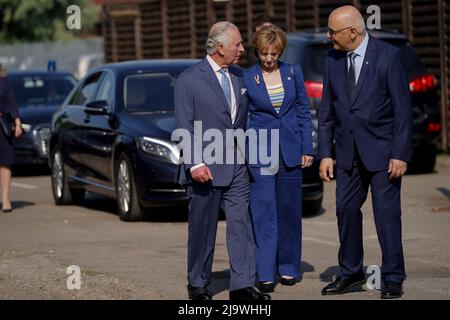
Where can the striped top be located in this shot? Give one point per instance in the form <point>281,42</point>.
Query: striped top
<point>276,95</point>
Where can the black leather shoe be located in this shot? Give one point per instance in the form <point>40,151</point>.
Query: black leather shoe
<point>198,293</point>
<point>7,210</point>
<point>340,285</point>
<point>248,293</point>
<point>392,290</point>
<point>288,282</point>
<point>266,287</point>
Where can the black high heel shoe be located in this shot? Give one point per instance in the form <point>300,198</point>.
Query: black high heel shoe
<point>266,287</point>
<point>7,210</point>
<point>288,282</point>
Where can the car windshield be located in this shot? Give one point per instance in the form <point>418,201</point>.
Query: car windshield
<point>149,92</point>
<point>41,90</point>
<point>314,59</point>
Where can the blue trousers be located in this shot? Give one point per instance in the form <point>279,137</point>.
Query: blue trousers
<point>351,192</point>
<point>276,211</point>
<point>204,208</point>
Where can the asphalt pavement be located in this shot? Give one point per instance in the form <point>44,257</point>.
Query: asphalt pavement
<point>86,252</point>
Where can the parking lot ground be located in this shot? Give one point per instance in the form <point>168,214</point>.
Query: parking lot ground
<point>147,260</point>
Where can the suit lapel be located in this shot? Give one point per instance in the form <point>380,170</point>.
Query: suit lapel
<point>261,89</point>
<point>211,78</point>
<point>367,62</point>
<point>289,87</point>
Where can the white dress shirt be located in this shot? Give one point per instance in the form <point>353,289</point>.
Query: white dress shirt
<point>359,59</point>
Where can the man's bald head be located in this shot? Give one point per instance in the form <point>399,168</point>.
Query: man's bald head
<point>346,28</point>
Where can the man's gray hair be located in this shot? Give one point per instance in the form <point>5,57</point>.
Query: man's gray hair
<point>218,35</point>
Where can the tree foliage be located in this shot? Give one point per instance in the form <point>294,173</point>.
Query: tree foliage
<point>43,20</point>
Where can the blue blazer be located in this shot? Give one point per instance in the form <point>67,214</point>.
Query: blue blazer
<point>199,96</point>
<point>378,120</point>
<point>294,118</point>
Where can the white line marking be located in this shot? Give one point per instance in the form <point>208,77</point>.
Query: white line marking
<point>23,185</point>
<point>317,240</point>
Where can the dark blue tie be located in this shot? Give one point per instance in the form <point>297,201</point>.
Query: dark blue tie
<point>351,75</point>
<point>225,83</point>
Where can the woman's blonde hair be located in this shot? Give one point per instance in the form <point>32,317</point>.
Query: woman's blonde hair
<point>2,71</point>
<point>269,36</point>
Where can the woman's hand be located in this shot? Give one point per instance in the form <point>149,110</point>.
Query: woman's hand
<point>307,161</point>
<point>18,129</point>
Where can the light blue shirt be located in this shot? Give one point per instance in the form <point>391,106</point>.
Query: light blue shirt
<point>359,59</point>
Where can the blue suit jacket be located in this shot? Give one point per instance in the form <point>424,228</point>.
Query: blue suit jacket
<point>199,97</point>
<point>378,120</point>
<point>294,118</point>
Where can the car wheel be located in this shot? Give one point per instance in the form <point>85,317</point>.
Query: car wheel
<point>423,159</point>
<point>312,207</point>
<point>62,193</point>
<point>126,192</point>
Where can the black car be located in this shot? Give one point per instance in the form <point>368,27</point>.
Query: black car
<point>309,48</point>
<point>112,136</point>
<point>38,94</point>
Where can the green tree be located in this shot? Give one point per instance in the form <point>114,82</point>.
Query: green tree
<point>43,20</point>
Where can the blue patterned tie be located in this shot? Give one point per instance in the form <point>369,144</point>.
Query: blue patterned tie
<point>226,87</point>
<point>351,77</point>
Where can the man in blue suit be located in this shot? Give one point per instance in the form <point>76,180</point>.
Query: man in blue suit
<point>209,93</point>
<point>366,108</point>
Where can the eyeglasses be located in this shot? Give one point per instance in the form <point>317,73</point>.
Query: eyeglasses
<point>332,32</point>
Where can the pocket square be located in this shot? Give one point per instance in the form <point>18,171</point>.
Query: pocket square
<point>243,90</point>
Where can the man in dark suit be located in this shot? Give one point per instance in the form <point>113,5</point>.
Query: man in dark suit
<point>366,107</point>
<point>210,94</point>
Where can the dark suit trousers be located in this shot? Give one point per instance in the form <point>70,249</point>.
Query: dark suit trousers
<point>351,192</point>
<point>204,208</point>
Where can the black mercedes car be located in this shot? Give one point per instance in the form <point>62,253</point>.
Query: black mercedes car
<point>38,94</point>
<point>112,136</point>
<point>309,48</point>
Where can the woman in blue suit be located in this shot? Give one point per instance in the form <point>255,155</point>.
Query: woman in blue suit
<point>277,100</point>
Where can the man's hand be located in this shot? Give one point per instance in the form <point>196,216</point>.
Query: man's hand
<point>201,175</point>
<point>397,168</point>
<point>307,161</point>
<point>326,169</point>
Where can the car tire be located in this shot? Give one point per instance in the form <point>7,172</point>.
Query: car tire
<point>126,191</point>
<point>62,193</point>
<point>423,159</point>
<point>312,207</point>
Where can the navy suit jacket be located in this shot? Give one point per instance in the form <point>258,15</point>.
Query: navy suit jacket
<point>200,97</point>
<point>378,120</point>
<point>294,118</point>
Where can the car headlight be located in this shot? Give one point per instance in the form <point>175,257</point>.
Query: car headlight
<point>26,127</point>
<point>163,150</point>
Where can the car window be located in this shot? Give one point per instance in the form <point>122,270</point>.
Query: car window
<point>41,90</point>
<point>314,58</point>
<point>87,90</point>
<point>105,91</point>
<point>150,92</point>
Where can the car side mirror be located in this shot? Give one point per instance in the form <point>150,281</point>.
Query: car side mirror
<point>97,107</point>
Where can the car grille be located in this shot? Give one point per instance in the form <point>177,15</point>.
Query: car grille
<point>41,137</point>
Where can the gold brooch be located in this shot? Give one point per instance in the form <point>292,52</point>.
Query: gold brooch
<point>257,78</point>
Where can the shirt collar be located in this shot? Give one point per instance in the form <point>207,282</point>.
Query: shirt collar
<point>214,65</point>
<point>361,49</point>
